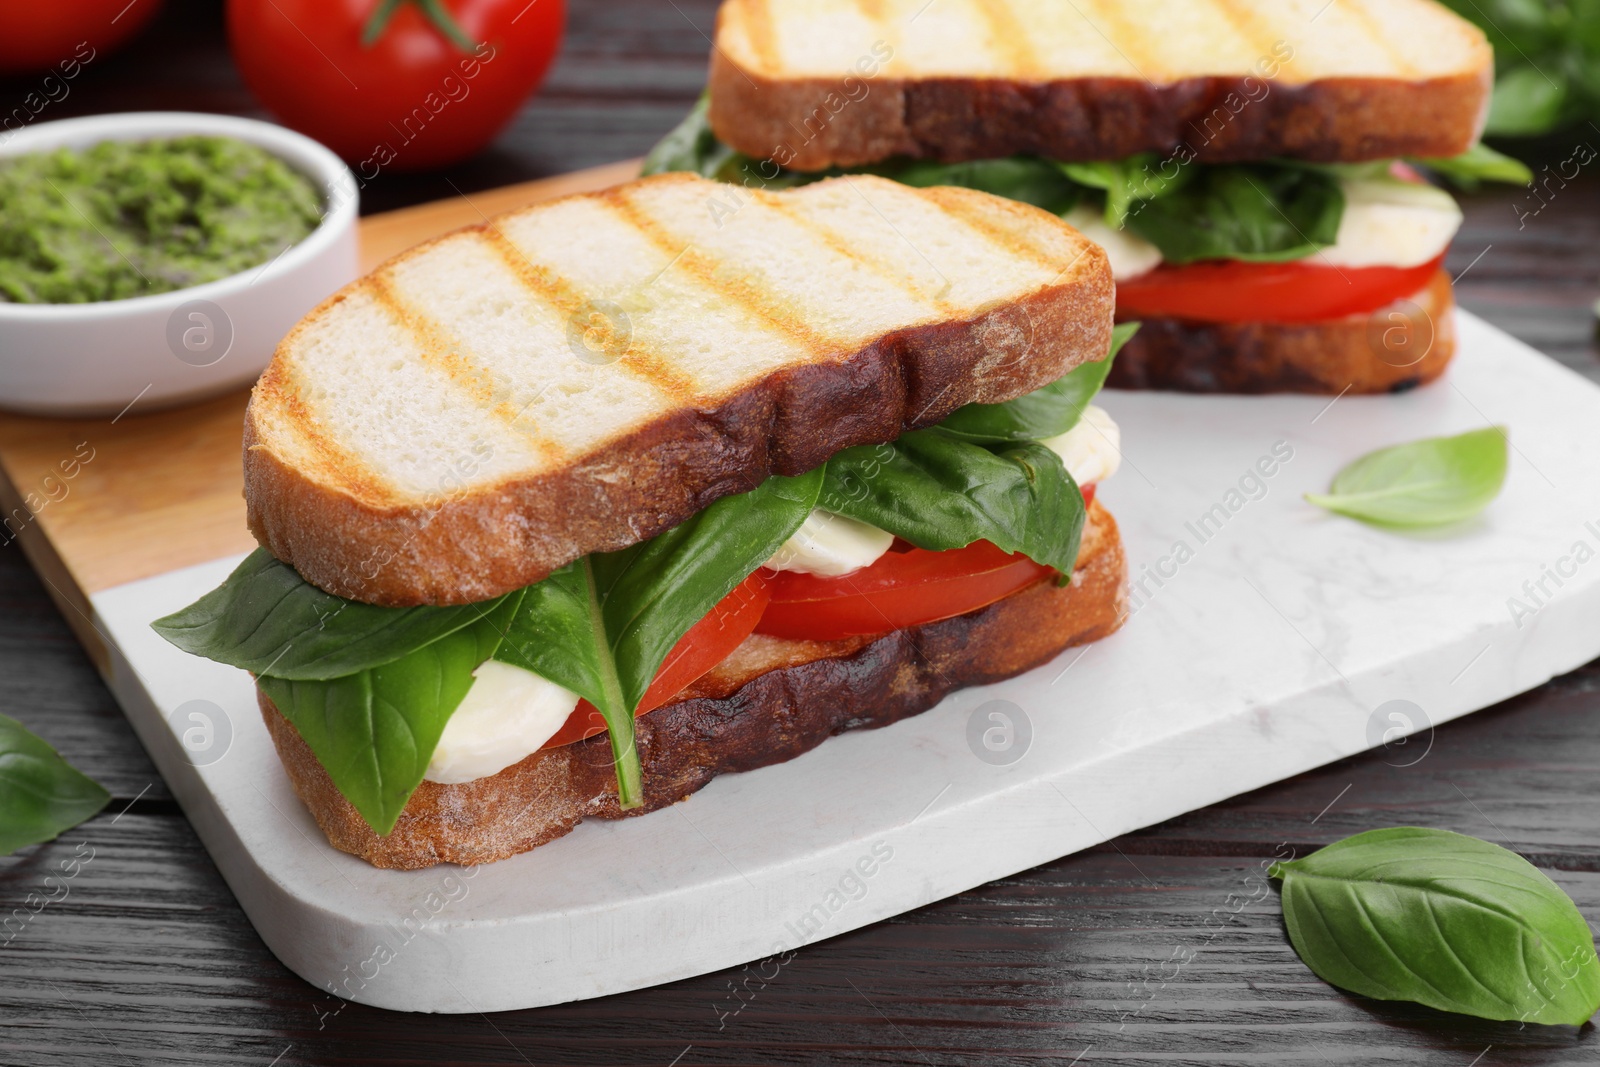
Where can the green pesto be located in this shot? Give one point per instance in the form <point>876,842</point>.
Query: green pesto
<point>130,218</point>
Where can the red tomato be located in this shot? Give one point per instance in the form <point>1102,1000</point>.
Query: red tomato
<point>37,36</point>
<point>903,588</point>
<point>415,98</point>
<point>1299,291</point>
<point>707,644</point>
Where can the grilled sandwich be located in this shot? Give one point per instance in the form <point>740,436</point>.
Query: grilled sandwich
<point>565,514</point>
<point>1254,168</point>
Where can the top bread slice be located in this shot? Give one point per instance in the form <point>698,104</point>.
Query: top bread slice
<point>581,374</point>
<point>810,84</point>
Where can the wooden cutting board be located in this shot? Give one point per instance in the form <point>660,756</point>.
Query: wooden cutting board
<point>95,503</point>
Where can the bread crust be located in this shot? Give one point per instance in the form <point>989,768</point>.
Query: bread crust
<point>768,705</point>
<point>1198,119</point>
<point>474,545</point>
<point>1355,354</point>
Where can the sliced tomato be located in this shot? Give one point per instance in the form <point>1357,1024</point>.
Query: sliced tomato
<point>707,644</point>
<point>903,588</point>
<point>1299,291</point>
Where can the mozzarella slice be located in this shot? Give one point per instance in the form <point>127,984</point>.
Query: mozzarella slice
<point>1391,223</point>
<point>831,545</point>
<point>1091,450</point>
<point>507,714</point>
<point>1130,255</point>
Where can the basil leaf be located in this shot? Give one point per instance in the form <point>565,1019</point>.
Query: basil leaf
<point>603,626</point>
<point>1527,101</point>
<point>41,795</point>
<point>1431,482</point>
<point>1444,920</point>
<point>691,146</point>
<point>1046,412</point>
<point>1029,180</point>
<point>374,731</point>
<point>1479,164</point>
<point>267,619</point>
<point>1259,213</point>
<point>938,492</point>
<point>1126,181</point>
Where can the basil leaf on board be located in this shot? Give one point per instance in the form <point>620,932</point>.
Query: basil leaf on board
<point>1029,180</point>
<point>41,794</point>
<point>1477,165</point>
<point>1444,920</point>
<point>267,619</point>
<point>1259,213</point>
<point>602,626</point>
<point>1431,482</point>
<point>938,492</point>
<point>1043,413</point>
<point>374,731</point>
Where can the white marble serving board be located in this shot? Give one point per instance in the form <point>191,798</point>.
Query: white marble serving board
<point>1274,647</point>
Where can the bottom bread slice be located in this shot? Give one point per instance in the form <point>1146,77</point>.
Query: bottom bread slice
<point>1406,344</point>
<point>770,701</point>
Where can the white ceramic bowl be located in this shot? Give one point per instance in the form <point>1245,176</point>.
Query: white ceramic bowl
<point>96,359</point>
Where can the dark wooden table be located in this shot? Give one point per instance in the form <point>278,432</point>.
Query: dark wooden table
<point>148,959</point>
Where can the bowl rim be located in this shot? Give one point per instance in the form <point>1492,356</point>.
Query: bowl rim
<point>333,179</point>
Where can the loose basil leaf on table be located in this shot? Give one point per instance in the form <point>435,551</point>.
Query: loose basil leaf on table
<point>1259,213</point>
<point>1043,413</point>
<point>602,626</point>
<point>1431,482</point>
<point>267,619</point>
<point>41,794</point>
<point>938,492</point>
<point>374,731</point>
<point>1444,920</point>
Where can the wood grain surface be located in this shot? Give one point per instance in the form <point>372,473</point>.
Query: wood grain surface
<point>145,958</point>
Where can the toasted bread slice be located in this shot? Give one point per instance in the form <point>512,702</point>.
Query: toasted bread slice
<point>581,374</point>
<point>815,83</point>
<point>1406,344</point>
<point>769,702</point>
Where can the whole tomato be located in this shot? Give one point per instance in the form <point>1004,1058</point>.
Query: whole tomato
<point>34,36</point>
<point>401,84</point>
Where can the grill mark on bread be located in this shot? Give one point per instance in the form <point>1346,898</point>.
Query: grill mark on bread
<point>1009,36</point>
<point>1248,24</point>
<point>497,534</point>
<point>568,302</point>
<point>712,273</point>
<point>956,204</point>
<point>1120,30</point>
<point>1377,38</point>
<point>880,265</point>
<point>1346,106</point>
<point>874,10</point>
<point>336,464</point>
<point>439,347</point>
